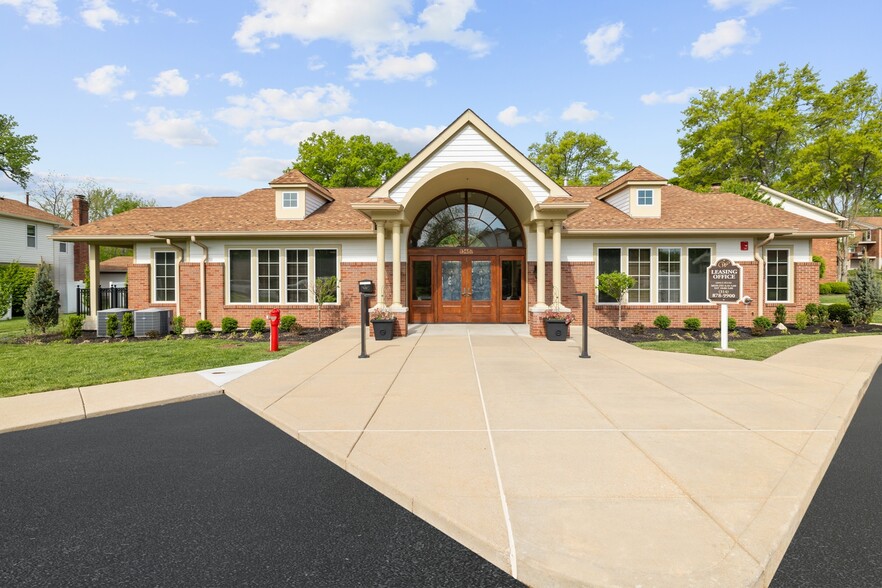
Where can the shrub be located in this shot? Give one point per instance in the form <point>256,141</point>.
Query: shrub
<point>615,285</point>
<point>229,325</point>
<point>42,301</point>
<point>152,334</point>
<point>758,331</point>
<point>127,326</point>
<point>823,313</point>
<point>73,326</point>
<point>865,293</point>
<point>662,322</point>
<point>692,324</point>
<point>801,321</point>
<point>112,325</point>
<point>822,265</point>
<point>763,322</point>
<point>204,327</point>
<point>638,328</point>
<point>732,324</point>
<point>287,323</point>
<point>812,313</point>
<point>824,289</point>
<point>839,288</point>
<point>257,325</point>
<point>177,326</point>
<point>840,312</point>
<point>14,283</point>
<point>780,314</point>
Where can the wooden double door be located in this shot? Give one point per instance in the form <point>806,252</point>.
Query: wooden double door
<point>467,286</point>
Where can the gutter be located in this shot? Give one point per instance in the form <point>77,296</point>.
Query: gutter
<point>202,277</point>
<point>760,273</point>
<point>178,261</point>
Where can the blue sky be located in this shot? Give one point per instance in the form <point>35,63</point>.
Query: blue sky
<point>176,100</point>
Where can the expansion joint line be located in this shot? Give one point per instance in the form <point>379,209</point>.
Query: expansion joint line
<point>512,555</point>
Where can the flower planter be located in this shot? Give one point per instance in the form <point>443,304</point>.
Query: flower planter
<point>556,329</point>
<point>383,329</point>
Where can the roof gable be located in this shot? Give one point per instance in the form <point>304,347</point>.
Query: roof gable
<point>295,177</point>
<point>16,209</point>
<point>636,175</point>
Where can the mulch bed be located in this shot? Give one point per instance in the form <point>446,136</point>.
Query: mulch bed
<point>629,335</point>
<point>304,336</point>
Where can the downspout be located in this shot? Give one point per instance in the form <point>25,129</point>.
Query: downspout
<point>202,277</point>
<point>178,260</point>
<point>760,273</point>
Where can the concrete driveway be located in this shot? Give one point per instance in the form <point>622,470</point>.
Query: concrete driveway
<point>630,468</point>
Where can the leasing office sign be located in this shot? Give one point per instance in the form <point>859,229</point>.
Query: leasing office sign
<point>724,282</point>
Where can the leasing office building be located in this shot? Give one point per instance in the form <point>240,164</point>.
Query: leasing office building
<point>460,229</point>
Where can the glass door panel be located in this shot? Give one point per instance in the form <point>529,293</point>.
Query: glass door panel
<point>480,281</point>
<point>451,281</point>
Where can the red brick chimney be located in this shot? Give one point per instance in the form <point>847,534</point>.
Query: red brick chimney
<point>81,250</point>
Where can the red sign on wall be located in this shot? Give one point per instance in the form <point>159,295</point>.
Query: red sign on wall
<point>744,246</point>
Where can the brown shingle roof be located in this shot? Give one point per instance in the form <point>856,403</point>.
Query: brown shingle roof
<point>683,209</point>
<point>120,263</point>
<point>635,174</point>
<point>252,212</point>
<point>20,209</point>
<point>876,221</point>
<point>295,176</point>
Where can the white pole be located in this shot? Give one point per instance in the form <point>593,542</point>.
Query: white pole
<point>724,327</point>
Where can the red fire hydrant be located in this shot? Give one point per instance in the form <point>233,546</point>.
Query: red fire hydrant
<point>274,318</point>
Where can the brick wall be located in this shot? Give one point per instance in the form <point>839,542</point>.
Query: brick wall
<point>826,248</point>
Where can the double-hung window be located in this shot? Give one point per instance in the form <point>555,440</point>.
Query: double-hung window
<point>639,268</point>
<point>164,276</point>
<point>32,236</point>
<point>268,275</point>
<point>668,275</point>
<point>297,275</point>
<point>777,275</point>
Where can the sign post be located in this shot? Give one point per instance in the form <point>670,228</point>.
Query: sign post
<point>724,288</point>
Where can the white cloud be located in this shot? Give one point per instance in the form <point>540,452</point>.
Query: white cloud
<point>604,45</point>
<point>393,68</point>
<point>271,106</point>
<point>41,12</point>
<point>510,117</point>
<point>379,32</point>
<point>170,83</point>
<point>233,78</point>
<point>315,63</point>
<point>102,81</point>
<point>752,7</point>
<point>579,112</point>
<point>402,138</point>
<point>721,42</point>
<point>130,95</point>
<point>257,168</point>
<point>97,12</point>
<point>166,126</point>
<point>668,97</point>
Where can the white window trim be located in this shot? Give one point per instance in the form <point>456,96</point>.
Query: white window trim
<point>255,294</point>
<point>684,275</point>
<point>651,197</point>
<point>228,274</point>
<point>657,289</point>
<point>339,290</point>
<point>651,272</point>
<point>309,270</point>
<point>622,252</point>
<point>790,276</point>
<point>28,236</point>
<point>62,247</point>
<point>283,274</point>
<point>153,296</point>
<point>296,196</point>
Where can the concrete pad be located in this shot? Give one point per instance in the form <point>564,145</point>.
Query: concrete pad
<point>653,407</point>
<point>760,410</point>
<point>37,410</point>
<point>515,409</point>
<point>450,410</point>
<point>120,396</point>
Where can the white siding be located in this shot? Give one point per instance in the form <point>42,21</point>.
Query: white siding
<point>14,242</point>
<point>313,203</point>
<point>622,201</point>
<point>583,249</point>
<point>469,145</point>
<point>800,209</point>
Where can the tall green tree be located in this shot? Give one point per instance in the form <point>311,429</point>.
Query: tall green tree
<point>104,201</point>
<point>42,301</point>
<point>580,159</point>
<point>337,162</point>
<point>17,152</point>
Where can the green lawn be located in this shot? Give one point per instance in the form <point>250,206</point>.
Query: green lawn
<point>755,348</point>
<point>39,367</point>
<point>840,298</point>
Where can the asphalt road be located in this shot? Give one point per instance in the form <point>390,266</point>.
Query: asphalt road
<point>205,493</point>
<point>839,542</point>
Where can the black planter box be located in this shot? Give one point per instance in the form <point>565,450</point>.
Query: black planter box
<point>556,329</point>
<point>383,329</point>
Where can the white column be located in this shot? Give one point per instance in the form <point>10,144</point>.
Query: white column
<point>540,264</point>
<point>396,264</point>
<point>555,263</point>
<point>94,279</point>
<point>381,262</point>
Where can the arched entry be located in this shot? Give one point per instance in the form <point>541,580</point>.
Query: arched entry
<point>466,252</point>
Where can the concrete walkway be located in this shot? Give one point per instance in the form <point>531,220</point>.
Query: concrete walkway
<point>633,467</point>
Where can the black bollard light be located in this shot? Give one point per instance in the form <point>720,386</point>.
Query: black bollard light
<point>364,321</point>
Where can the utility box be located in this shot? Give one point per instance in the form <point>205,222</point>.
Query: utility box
<point>102,319</point>
<point>152,320</point>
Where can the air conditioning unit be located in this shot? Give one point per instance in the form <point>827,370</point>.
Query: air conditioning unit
<point>152,320</point>
<point>102,319</point>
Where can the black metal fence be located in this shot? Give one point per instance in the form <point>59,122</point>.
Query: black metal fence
<point>112,297</point>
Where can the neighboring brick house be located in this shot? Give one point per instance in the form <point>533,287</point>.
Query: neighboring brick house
<point>459,231</point>
<point>867,242</point>
<point>114,271</point>
<point>24,237</point>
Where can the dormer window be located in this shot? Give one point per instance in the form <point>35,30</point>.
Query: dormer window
<point>644,197</point>
<point>290,200</point>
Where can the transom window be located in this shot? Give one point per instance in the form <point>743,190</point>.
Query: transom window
<point>668,275</point>
<point>32,236</point>
<point>290,199</point>
<point>777,275</point>
<point>164,276</point>
<point>639,268</point>
<point>466,219</point>
<point>644,197</point>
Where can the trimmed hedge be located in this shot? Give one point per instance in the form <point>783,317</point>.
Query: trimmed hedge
<point>257,325</point>
<point>840,312</point>
<point>662,322</point>
<point>834,288</point>
<point>229,325</point>
<point>692,324</point>
<point>204,327</point>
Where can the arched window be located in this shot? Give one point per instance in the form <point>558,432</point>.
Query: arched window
<point>466,219</point>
